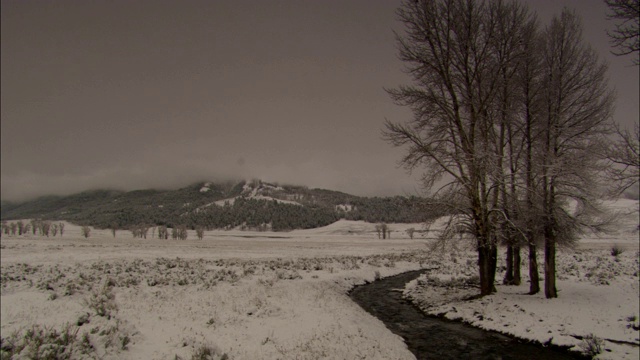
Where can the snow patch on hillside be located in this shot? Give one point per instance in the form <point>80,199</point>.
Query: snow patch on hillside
<point>205,187</point>
<point>232,200</point>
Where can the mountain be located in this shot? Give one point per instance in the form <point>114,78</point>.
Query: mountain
<point>246,204</point>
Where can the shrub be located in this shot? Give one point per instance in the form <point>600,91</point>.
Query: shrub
<point>616,250</point>
<point>207,353</point>
<point>40,343</point>
<point>102,302</point>
<point>592,345</point>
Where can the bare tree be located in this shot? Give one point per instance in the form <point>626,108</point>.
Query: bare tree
<point>45,228</point>
<point>384,229</point>
<point>61,228</point>
<point>529,86</point>
<point>85,231</point>
<point>54,230</point>
<point>34,226</point>
<point>410,232</point>
<point>450,49</point>
<point>163,232</point>
<point>182,232</point>
<point>578,106</point>
<point>200,232</point>
<point>625,35</point>
<point>20,225</point>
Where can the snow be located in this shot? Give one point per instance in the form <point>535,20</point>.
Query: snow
<point>344,207</point>
<point>363,228</point>
<point>284,295</point>
<point>249,294</point>
<point>256,197</point>
<point>598,294</point>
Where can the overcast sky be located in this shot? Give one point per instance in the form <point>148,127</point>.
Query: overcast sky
<point>139,94</point>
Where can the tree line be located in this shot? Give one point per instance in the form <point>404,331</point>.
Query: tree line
<point>43,227</point>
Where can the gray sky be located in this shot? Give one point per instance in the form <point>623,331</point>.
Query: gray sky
<point>138,94</point>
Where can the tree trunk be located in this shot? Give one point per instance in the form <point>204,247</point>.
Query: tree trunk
<point>517,278</point>
<point>487,259</point>
<point>550,266</point>
<point>534,277</point>
<point>508,276</point>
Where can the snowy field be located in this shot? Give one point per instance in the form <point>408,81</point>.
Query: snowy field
<point>247,295</point>
<point>598,301</point>
<point>265,295</point>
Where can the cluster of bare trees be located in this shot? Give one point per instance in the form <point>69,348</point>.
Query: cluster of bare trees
<point>139,231</point>
<point>383,230</point>
<point>35,226</point>
<point>509,120</point>
<point>179,232</point>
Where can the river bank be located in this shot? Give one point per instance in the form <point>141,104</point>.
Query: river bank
<point>596,312</point>
<point>429,337</point>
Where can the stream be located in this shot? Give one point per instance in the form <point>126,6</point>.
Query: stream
<point>435,338</point>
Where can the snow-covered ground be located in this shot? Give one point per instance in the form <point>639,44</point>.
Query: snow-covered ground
<point>598,293</point>
<point>250,295</point>
<point>266,295</point>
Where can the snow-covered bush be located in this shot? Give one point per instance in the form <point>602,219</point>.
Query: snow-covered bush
<point>592,345</point>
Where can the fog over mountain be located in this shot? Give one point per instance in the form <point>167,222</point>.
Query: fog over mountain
<point>161,94</point>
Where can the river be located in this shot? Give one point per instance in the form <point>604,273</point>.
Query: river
<point>434,338</point>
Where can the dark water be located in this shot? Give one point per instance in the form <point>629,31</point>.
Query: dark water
<point>434,338</point>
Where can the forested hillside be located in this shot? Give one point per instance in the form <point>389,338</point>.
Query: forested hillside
<point>251,205</point>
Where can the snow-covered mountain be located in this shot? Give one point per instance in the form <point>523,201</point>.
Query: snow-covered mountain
<point>218,204</point>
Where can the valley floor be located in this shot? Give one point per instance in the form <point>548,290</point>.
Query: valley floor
<point>275,296</point>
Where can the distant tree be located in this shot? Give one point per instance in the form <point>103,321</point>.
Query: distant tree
<point>410,232</point>
<point>14,228</point>
<point>85,231</point>
<point>45,228</point>
<point>61,228</point>
<point>54,229</point>
<point>35,225</point>
<point>174,233</point>
<point>200,232</point>
<point>144,230</point>
<point>182,232</point>
<point>625,36</point>
<point>27,228</point>
<point>163,232</point>
<point>114,228</point>
<point>5,228</point>
<point>20,225</point>
<point>378,230</point>
<point>384,230</point>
